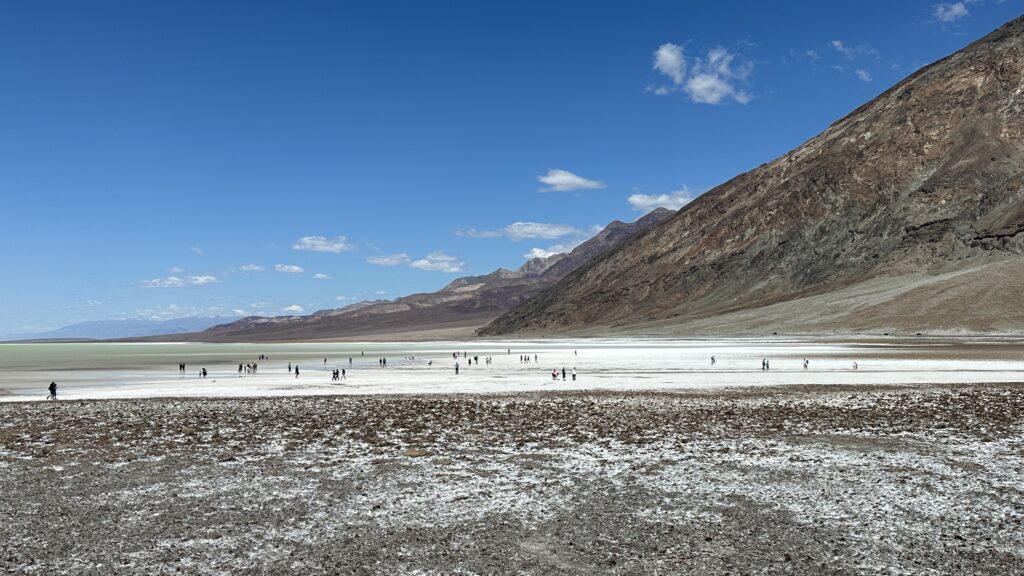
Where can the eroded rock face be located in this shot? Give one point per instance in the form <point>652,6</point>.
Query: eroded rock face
<point>925,179</point>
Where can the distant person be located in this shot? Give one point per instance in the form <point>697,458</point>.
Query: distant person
<point>554,374</point>
<point>854,365</point>
<point>712,360</point>
<point>573,373</point>
<point>343,374</point>
<point>456,368</point>
<point>289,366</point>
<point>806,363</point>
<point>563,373</point>
<point>296,370</point>
<point>203,372</point>
<point>349,360</point>
<point>53,391</point>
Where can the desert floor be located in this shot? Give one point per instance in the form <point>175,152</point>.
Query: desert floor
<point>797,479</point>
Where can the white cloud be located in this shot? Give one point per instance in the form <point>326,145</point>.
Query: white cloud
<point>669,60</point>
<point>813,56</point>
<point>852,52</point>
<point>322,244</point>
<point>320,276</point>
<point>196,249</point>
<point>840,46</point>
<point>863,75</point>
<point>175,270</point>
<point>239,312</point>
<point>380,292</point>
<point>951,12</point>
<point>551,250</point>
<point>178,281</point>
<point>713,79</point>
<point>293,309</point>
<point>252,268</point>
<point>438,262</point>
<point>200,280</point>
<point>673,200</point>
<point>565,181</point>
<point>522,231</point>
<point>389,260</point>
<point>260,304</point>
<point>341,298</point>
<point>288,268</point>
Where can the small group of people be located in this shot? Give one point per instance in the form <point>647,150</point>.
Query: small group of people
<point>382,362</point>
<point>765,365</point>
<point>248,367</point>
<point>181,367</point>
<point>202,373</point>
<point>337,374</point>
<point>53,391</point>
<point>525,358</point>
<point>263,357</point>
<point>554,374</point>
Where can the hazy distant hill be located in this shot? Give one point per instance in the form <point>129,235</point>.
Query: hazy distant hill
<point>906,215</point>
<point>130,328</point>
<point>465,303</point>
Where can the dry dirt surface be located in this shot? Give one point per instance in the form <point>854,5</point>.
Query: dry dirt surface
<point>788,480</point>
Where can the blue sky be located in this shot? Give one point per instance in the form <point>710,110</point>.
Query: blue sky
<point>162,159</point>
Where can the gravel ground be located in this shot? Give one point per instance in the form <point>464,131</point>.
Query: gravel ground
<point>786,480</point>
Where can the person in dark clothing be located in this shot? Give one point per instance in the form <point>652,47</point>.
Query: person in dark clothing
<point>53,391</point>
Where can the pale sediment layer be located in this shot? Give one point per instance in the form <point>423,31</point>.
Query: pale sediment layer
<point>797,479</point>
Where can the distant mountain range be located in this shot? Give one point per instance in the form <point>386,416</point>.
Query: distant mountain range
<point>460,307</point>
<point>129,328</point>
<point>906,215</point>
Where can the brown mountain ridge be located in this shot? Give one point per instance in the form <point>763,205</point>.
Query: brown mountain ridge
<point>905,215</point>
<point>456,310</point>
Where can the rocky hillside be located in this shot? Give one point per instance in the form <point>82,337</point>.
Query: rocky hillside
<point>468,302</point>
<point>911,208</point>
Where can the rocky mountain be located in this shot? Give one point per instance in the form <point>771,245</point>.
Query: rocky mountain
<point>465,303</point>
<point>905,215</point>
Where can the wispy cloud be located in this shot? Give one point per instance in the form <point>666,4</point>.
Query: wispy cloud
<point>320,276</point>
<point>196,249</point>
<point>288,268</point>
<point>951,12</point>
<point>438,262</point>
<point>558,180</point>
<point>673,200</point>
<point>863,75</point>
<point>322,244</point>
<point>252,268</point>
<point>713,79</point>
<point>178,281</point>
<point>522,231</point>
<point>293,309</point>
<point>175,270</point>
<point>669,60</point>
<point>389,260</point>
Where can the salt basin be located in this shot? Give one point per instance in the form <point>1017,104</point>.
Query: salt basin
<point>143,370</point>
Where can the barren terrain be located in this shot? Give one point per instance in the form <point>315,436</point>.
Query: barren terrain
<point>795,479</point>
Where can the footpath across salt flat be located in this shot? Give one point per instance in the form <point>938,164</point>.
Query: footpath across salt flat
<point>98,371</point>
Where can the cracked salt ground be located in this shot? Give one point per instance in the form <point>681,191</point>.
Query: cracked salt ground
<point>804,480</point>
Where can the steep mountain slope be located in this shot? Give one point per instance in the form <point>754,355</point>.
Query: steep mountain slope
<point>924,181</point>
<point>465,303</point>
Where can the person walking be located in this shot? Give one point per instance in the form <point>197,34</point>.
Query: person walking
<point>573,373</point>
<point>456,368</point>
<point>563,373</point>
<point>296,370</point>
<point>53,391</point>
